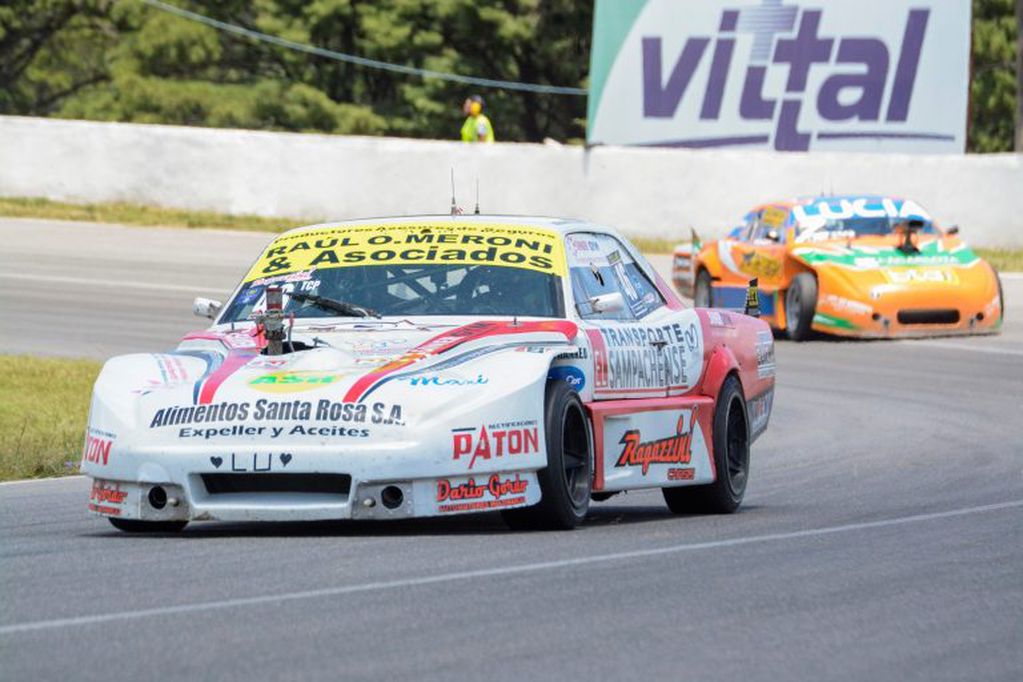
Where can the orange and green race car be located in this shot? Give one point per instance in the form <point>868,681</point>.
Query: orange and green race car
<point>864,266</point>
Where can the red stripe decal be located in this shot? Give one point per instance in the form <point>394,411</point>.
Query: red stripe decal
<point>447,340</point>
<point>234,361</point>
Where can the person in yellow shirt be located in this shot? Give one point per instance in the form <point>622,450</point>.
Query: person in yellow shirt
<point>477,127</point>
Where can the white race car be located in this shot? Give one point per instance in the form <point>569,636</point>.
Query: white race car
<point>427,366</point>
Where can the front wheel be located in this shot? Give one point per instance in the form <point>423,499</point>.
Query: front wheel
<point>731,459</point>
<point>565,481</point>
<point>800,306</point>
<point>136,526</point>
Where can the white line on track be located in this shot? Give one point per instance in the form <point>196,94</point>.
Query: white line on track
<point>993,350</point>
<point>490,572</point>
<point>1011,275</point>
<point>42,480</point>
<point>109,283</point>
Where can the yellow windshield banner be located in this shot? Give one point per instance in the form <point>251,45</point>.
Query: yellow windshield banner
<point>422,243</point>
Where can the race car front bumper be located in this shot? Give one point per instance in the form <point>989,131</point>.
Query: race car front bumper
<point>299,485</point>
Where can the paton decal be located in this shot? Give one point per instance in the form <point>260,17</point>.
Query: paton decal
<point>494,441</point>
<point>97,447</point>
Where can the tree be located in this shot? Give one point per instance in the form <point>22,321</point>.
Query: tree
<point>1019,75</point>
<point>993,88</point>
<point>49,51</point>
<point>122,60</point>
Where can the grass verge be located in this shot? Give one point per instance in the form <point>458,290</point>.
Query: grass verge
<point>44,404</point>
<point>139,214</point>
<point>1004,260</point>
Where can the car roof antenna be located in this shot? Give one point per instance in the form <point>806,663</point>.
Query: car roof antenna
<point>477,211</point>
<point>454,206</point>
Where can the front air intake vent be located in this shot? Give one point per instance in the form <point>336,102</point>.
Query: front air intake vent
<point>320,484</point>
<point>934,316</point>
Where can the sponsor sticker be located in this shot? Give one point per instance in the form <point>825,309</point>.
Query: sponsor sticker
<point>759,409</point>
<point>675,449</point>
<point>571,375</point>
<point>435,380</point>
<point>765,355</point>
<point>466,495</point>
<point>97,447</point>
<point>654,448</point>
<point>293,382</point>
<point>419,243</point>
<point>107,497</point>
<point>274,418</point>
<point>494,441</point>
<point>920,276</point>
<point>631,357</point>
<point>254,462</point>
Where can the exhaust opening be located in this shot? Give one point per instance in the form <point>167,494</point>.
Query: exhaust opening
<point>157,497</point>
<point>392,497</point>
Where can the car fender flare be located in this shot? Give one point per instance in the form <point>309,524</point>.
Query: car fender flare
<point>722,363</point>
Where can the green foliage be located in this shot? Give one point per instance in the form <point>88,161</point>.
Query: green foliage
<point>124,61</point>
<point>42,425</point>
<point>993,90</point>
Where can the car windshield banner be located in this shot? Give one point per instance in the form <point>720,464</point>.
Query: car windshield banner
<point>420,243</point>
<point>870,75</point>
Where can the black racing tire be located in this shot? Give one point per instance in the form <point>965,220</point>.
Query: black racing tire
<point>703,292</point>
<point>566,480</point>
<point>800,306</point>
<point>136,526</point>
<point>731,459</point>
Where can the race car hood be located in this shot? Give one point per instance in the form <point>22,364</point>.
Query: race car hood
<point>386,378</point>
<point>869,282</point>
<point>867,263</point>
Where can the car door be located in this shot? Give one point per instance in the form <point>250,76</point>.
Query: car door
<point>636,345</point>
<point>646,356</point>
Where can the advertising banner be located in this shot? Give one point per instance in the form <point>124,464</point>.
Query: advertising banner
<point>833,75</point>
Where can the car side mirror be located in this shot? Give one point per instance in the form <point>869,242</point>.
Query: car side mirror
<point>206,307</point>
<point>608,303</point>
<point>952,230</point>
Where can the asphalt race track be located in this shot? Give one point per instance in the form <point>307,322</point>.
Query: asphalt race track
<point>881,539</point>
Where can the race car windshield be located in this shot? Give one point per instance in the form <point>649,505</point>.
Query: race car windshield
<point>407,290</point>
<point>857,226</point>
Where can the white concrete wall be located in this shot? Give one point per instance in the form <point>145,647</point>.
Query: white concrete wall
<point>654,192</point>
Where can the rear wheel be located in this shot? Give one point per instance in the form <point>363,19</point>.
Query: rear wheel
<point>136,526</point>
<point>703,296</point>
<point>800,306</point>
<point>565,481</point>
<point>731,460</point>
